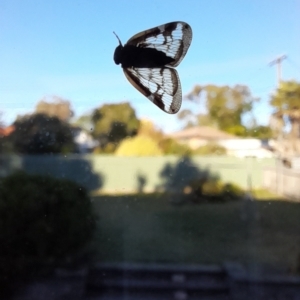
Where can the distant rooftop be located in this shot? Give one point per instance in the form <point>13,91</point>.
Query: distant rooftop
<point>6,131</point>
<point>202,132</point>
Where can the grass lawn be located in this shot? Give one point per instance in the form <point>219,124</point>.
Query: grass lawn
<point>148,228</point>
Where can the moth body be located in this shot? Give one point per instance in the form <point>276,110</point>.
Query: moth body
<point>131,56</point>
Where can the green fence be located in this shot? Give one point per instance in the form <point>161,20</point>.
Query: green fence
<point>129,174</point>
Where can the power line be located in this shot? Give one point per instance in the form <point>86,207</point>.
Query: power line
<point>294,64</point>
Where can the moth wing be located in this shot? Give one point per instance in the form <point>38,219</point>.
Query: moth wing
<point>159,85</point>
<point>173,39</point>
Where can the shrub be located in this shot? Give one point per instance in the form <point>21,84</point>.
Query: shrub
<point>171,146</point>
<point>108,148</point>
<point>138,146</point>
<point>232,191</point>
<point>43,220</point>
<point>212,189</point>
<point>210,149</point>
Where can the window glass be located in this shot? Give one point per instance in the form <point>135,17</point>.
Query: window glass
<point>149,149</point>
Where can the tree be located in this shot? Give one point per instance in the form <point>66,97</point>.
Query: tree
<point>225,106</point>
<point>285,121</point>
<point>55,107</point>
<point>170,146</point>
<point>148,128</point>
<point>139,145</point>
<point>194,119</point>
<point>188,117</point>
<point>260,132</point>
<point>5,143</point>
<point>85,122</point>
<point>41,134</point>
<point>114,122</point>
<point>286,101</point>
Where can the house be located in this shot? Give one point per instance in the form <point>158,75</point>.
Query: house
<point>247,147</point>
<point>199,136</point>
<point>6,131</point>
<point>84,141</point>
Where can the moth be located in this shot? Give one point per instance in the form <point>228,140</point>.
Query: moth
<point>149,59</point>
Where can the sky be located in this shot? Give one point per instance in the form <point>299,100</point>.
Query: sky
<point>65,48</point>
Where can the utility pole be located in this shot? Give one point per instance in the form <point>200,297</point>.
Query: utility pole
<point>277,61</point>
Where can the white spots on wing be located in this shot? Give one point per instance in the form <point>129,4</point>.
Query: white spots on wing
<point>173,39</point>
<point>161,85</point>
<point>161,28</point>
<point>173,43</point>
<point>151,97</point>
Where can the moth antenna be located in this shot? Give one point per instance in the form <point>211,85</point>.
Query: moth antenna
<point>118,39</point>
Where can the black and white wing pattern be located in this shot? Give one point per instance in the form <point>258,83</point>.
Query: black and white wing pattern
<point>173,39</point>
<point>148,60</point>
<point>159,85</point>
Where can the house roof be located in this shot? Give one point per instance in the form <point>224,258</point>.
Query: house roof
<point>6,131</point>
<point>202,132</point>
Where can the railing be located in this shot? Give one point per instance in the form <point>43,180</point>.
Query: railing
<point>135,282</point>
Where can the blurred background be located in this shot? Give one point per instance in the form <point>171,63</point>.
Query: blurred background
<point>102,194</point>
